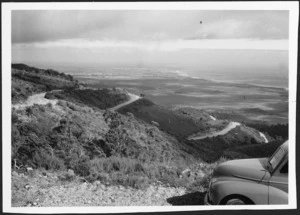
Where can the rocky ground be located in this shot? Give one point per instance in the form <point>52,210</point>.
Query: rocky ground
<point>44,189</point>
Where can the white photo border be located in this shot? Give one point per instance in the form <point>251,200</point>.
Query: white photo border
<point>7,8</point>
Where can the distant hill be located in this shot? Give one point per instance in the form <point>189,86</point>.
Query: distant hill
<point>167,120</point>
<point>96,98</point>
<point>28,80</point>
<point>50,72</point>
<point>256,150</point>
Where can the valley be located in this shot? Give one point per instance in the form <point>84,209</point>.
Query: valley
<point>107,139</point>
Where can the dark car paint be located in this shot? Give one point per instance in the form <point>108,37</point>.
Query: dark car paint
<point>252,179</point>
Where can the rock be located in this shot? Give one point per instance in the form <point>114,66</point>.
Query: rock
<point>34,204</point>
<point>97,182</point>
<point>89,202</point>
<point>102,187</point>
<point>157,195</point>
<point>200,174</point>
<point>154,123</point>
<point>27,186</point>
<point>186,172</point>
<point>130,115</point>
<point>29,169</point>
<point>15,174</point>
<point>71,172</point>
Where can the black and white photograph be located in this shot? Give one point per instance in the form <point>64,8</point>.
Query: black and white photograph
<point>171,105</point>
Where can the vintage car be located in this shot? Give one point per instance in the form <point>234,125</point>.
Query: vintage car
<point>259,181</point>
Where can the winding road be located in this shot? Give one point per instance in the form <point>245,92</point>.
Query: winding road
<point>228,128</point>
<point>41,100</point>
<point>264,136</point>
<point>213,118</point>
<point>132,98</point>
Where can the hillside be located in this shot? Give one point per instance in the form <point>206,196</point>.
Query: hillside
<point>96,98</point>
<point>172,122</point>
<point>27,81</point>
<point>78,145</point>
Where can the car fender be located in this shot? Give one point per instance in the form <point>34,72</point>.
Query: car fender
<point>278,196</point>
<point>254,191</point>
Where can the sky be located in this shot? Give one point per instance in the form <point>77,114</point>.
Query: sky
<point>207,38</point>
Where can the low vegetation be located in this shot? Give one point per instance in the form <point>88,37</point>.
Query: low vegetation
<point>256,150</point>
<point>37,71</point>
<point>97,145</point>
<point>173,123</point>
<point>277,131</point>
<point>98,98</point>
<point>141,144</point>
<point>27,81</point>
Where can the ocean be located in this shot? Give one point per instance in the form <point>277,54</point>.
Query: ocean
<point>276,77</point>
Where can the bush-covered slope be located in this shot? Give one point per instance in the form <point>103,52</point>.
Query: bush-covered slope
<point>139,144</point>
<point>256,150</point>
<point>238,143</point>
<point>99,98</point>
<point>47,72</point>
<point>97,145</point>
<point>169,121</point>
<point>28,80</point>
<point>278,131</point>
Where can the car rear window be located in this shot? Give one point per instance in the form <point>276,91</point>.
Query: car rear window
<point>276,158</point>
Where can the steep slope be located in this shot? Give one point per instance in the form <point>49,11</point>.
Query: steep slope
<point>27,81</point>
<point>95,98</point>
<point>77,138</point>
<point>256,150</point>
<point>95,144</point>
<point>175,124</point>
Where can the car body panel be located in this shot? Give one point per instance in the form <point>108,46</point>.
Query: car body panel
<point>278,196</point>
<point>254,179</point>
<point>222,189</point>
<point>252,169</point>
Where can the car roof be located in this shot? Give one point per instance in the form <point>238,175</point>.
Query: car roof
<point>285,146</point>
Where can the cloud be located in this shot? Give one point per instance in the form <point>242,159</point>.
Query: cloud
<point>37,26</point>
<point>141,26</point>
<point>166,45</point>
<point>263,25</point>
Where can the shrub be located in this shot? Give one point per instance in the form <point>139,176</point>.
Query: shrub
<point>49,105</point>
<point>14,118</point>
<point>29,111</point>
<point>82,167</point>
<point>118,170</point>
<point>200,184</point>
<point>67,176</point>
<point>100,98</point>
<point>44,160</point>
